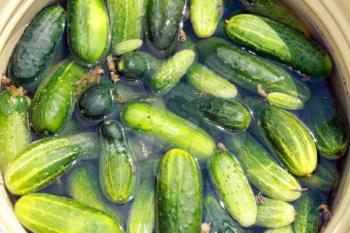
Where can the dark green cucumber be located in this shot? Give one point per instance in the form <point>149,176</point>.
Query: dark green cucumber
<point>14,127</point>
<point>205,16</point>
<point>286,229</point>
<point>43,161</point>
<point>163,19</point>
<point>170,128</point>
<point>279,41</point>
<point>262,171</point>
<point>179,194</point>
<point>128,46</point>
<point>88,30</point>
<point>55,98</point>
<point>308,219</point>
<point>36,47</point>
<point>142,212</point>
<point>171,71</point>
<point>46,213</point>
<point>253,73</point>
<point>233,187</point>
<point>275,214</point>
<point>126,17</point>
<point>118,171</point>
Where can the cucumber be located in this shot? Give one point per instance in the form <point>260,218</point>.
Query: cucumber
<point>171,71</point>
<point>126,17</point>
<point>142,212</point>
<point>253,73</point>
<point>275,214</point>
<point>46,213</point>
<point>286,229</point>
<point>43,161</point>
<point>170,128</point>
<point>54,100</point>
<point>233,188</point>
<point>308,219</point>
<point>163,19</point>
<point>262,171</point>
<point>277,40</point>
<point>88,30</point>
<point>118,171</point>
<point>128,46</point>
<point>179,193</point>
<point>291,141</point>
<point>82,186</point>
<point>206,81</point>
<point>14,127</point>
<point>34,51</point>
<point>285,101</point>
<point>205,16</point>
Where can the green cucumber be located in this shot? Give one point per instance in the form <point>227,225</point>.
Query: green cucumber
<point>46,213</point>
<point>253,73</point>
<point>170,128</point>
<point>205,16</point>
<point>54,100</point>
<point>82,186</point>
<point>308,219</point>
<point>233,187</point>
<point>142,212</point>
<point>179,193</point>
<point>281,42</point>
<point>126,17</point>
<point>43,161</point>
<point>285,101</point>
<point>206,81</point>
<point>35,49</point>
<point>128,46</point>
<point>118,171</point>
<point>88,30</point>
<point>171,71</point>
<point>14,127</point>
<point>286,229</point>
<point>275,214</point>
<point>262,171</point>
<point>291,141</point>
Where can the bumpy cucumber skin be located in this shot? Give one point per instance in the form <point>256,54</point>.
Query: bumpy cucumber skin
<point>205,16</point>
<point>14,127</point>
<point>286,229</point>
<point>281,42</point>
<point>36,47</point>
<point>128,46</point>
<point>88,30</point>
<point>284,101</point>
<point>118,171</point>
<point>262,171</point>
<point>172,70</point>
<point>170,128</point>
<point>46,213</point>
<point>54,100</point>
<point>142,212</point>
<point>308,219</point>
<point>206,81</point>
<point>275,214</point>
<point>126,18</point>
<point>233,187</point>
<point>248,71</point>
<point>45,160</point>
<point>179,193</point>
<point>291,141</point>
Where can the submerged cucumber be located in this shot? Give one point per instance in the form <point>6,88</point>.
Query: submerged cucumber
<point>128,46</point>
<point>45,213</point>
<point>286,229</point>
<point>308,219</point>
<point>179,193</point>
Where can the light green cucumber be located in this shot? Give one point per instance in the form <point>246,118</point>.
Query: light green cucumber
<point>308,217</point>
<point>286,229</point>
<point>127,46</point>
<point>284,101</point>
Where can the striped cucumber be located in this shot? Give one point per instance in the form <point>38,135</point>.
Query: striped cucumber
<point>170,128</point>
<point>128,46</point>
<point>275,214</point>
<point>126,18</point>
<point>233,188</point>
<point>46,213</point>
<point>54,99</point>
<point>179,193</point>
<point>14,125</point>
<point>262,171</point>
<point>205,16</point>
<point>286,229</point>
<point>118,171</point>
<point>308,219</point>
<point>275,39</point>
<point>284,101</point>
<point>43,161</point>
<point>88,30</point>
<point>35,49</point>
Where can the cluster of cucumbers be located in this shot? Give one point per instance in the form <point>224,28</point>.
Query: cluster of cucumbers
<point>240,110</point>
